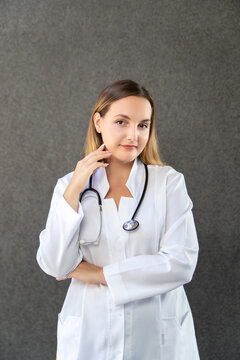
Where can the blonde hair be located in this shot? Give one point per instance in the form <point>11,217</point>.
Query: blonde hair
<point>115,91</point>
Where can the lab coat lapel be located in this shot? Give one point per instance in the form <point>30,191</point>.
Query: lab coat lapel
<point>100,182</point>
<point>136,178</point>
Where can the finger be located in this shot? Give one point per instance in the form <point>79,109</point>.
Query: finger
<point>100,157</point>
<point>100,148</point>
<point>100,163</point>
<point>96,156</point>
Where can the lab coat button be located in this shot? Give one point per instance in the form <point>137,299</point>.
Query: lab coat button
<point>82,241</point>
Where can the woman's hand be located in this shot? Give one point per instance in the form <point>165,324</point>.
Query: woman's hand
<point>88,273</point>
<point>84,169</point>
<point>88,166</point>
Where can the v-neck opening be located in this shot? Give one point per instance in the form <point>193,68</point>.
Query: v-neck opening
<point>118,209</point>
<point>134,183</point>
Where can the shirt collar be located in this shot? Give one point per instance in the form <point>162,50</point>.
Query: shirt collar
<point>135,182</point>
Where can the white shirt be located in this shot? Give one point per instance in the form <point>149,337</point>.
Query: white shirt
<point>144,312</point>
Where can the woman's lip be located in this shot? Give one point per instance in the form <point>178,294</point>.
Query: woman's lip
<point>129,146</point>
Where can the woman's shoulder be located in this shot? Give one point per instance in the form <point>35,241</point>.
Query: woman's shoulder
<point>65,179</point>
<point>168,177</point>
<point>164,170</point>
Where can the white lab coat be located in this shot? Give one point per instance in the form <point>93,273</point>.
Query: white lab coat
<point>144,312</point>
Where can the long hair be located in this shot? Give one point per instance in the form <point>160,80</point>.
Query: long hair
<point>115,91</point>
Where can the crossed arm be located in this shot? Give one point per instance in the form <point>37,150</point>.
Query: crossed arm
<point>88,273</point>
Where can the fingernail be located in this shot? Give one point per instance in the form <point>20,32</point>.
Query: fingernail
<point>101,145</point>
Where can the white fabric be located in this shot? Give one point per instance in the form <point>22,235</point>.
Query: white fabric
<point>144,312</point>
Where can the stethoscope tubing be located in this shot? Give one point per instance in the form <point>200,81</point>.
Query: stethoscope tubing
<point>128,225</point>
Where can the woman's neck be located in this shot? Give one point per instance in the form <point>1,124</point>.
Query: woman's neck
<point>118,171</point>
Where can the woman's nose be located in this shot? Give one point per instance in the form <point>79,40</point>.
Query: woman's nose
<point>132,133</point>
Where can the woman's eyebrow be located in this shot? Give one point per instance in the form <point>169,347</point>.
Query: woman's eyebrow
<point>127,117</point>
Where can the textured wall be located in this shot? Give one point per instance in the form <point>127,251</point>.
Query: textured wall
<point>55,57</point>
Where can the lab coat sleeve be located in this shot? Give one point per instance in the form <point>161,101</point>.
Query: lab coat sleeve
<point>59,250</point>
<point>173,265</point>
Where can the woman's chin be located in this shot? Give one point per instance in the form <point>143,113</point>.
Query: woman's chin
<point>123,159</point>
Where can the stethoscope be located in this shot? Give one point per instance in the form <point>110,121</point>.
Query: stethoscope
<point>128,225</point>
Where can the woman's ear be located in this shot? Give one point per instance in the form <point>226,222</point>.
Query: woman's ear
<point>97,119</point>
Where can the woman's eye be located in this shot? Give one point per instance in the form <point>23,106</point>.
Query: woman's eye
<point>119,121</point>
<point>141,125</point>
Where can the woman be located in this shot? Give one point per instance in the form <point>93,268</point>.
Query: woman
<point>126,299</point>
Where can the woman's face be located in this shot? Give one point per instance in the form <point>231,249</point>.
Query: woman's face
<point>130,128</point>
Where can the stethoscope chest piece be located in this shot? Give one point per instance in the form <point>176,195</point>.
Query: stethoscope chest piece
<point>130,225</point>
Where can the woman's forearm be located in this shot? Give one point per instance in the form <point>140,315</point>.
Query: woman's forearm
<point>71,195</point>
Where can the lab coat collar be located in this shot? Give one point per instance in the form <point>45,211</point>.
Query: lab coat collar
<point>134,183</point>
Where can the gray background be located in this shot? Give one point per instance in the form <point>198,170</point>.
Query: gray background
<point>55,58</point>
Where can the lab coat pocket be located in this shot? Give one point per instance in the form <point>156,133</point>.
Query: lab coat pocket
<point>182,320</point>
<point>68,337</point>
<point>172,336</point>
